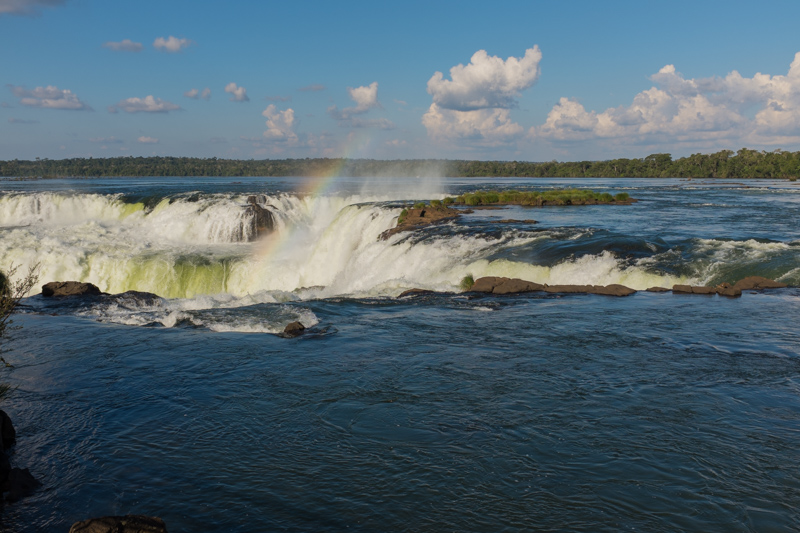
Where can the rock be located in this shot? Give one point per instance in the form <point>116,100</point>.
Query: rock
<point>487,283</point>
<point>514,286</point>
<point>8,435</point>
<point>683,289</point>
<point>756,283</point>
<point>730,292</point>
<point>257,199</point>
<point>120,524</point>
<point>257,221</point>
<point>569,289</point>
<point>414,292</point>
<point>614,289</point>
<point>704,290</point>
<point>20,484</point>
<point>69,288</point>
<point>137,298</point>
<point>293,329</point>
<point>420,217</point>
<point>658,289</point>
<point>5,471</point>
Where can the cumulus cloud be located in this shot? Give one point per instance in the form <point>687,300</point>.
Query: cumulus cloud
<point>22,121</point>
<point>763,109</point>
<point>238,94</point>
<point>125,45</point>
<point>365,98</point>
<point>171,44</point>
<point>196,93</point>
<point>26,7</point>
<point>148,104</point>
<point>147,140</point>
<point>474,104</point>
<point>280,125</point>
<point>314,87</point>
<point>50,97</point>
<point>205,94</point>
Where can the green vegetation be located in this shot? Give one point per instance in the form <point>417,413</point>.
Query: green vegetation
<point>436,203</point>
<point>724,164</point>
<point>10,295</point>
<point>402,217</point>
<point>419,205</point>
<point>555,197</point>
<point>467,282</point>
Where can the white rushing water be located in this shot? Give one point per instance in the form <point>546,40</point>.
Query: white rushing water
<point>323,246</point>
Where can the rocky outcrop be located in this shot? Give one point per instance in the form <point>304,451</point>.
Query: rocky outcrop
<point>420,217</point>
<point>69,288</point>
<point>120,524</point>
<point>414,292</point>
<point>15,482</point>
<point>502,285</point>
<point>294,329</point>
<point>758,283</point>
<point>658,289</point>
<point>8,435</point>
<point>136,298</point>
<point>257,220</point>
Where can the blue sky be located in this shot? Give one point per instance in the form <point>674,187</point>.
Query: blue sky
<point>530,81</point>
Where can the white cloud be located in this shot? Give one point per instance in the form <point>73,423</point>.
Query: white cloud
<point>365,98</point>
<point>205,94</point>
<point>50,97</point>
<point>486,82</point>
<point>280,125</point>
<point>760,110</point>
<point>26,7</point>
<point>238,94</point>
<point>147,140</point>
<point>148,104</point>
<point>125,45</point>
<point>171,44</point>
<point>474,104</point>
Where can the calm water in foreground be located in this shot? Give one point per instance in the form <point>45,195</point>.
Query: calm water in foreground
<point>445,412</point>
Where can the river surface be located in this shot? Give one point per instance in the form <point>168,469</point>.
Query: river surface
<point>442,412</point>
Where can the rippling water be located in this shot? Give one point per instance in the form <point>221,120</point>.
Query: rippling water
<point>450,412</point>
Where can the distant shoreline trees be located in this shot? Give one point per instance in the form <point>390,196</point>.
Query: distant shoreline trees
<point>743,164</point>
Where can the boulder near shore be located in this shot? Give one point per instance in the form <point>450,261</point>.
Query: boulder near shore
<point>120,524</point>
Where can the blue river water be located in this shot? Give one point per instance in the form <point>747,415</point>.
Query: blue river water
<point>449,411</point>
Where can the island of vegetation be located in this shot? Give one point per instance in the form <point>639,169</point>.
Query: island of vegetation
<point>422,214</point>
<point>727,164</point>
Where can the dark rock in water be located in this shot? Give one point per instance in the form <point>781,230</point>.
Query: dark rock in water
<point>704,290</point>
<point>293,329</point>
<point>257,199</point>
<point>137,298</point>
<point>682,289</point>
<point>414,292</point>
<point>5,471</point>
<point>730,292</point>
<point>658,289</point>
<point>120,524</point>
<point>487,283</point>
<point>69,288</point>
<point>757,282</point>
<point>20,484</point>
<point>614,289</point>
<point>257,221</point>
<point>514,286</point>
<point>569,289</point>
<point>8,434</point>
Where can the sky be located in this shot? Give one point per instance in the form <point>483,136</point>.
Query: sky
<point>530,80</point>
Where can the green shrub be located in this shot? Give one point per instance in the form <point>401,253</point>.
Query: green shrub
<point>436,203</point>
<point>402,217</point>
<point>448,201</point>
<point>419,205</point>
<point>606,197</point>
<point>621,197</point>
<point>467,282</point>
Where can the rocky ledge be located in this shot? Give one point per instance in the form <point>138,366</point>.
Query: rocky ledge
<point>120,524</point>
<point>418,217</point>
<point>503,285</point>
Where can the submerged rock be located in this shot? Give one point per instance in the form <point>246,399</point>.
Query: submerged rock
<point>658,289</point>
<point>257,220</point>
<point>120,524</point>
<point>501,285</point>
<point>69,288</point>
<point>414,292</point>
<point>8,434</point>
<point>514,285</point>
<point>294,329</point>
<point>137,298</point>
<point>20,484</point>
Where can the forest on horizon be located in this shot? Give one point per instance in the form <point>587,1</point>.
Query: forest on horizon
<point>742,164</point>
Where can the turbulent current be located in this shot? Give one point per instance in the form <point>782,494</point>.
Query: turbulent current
<point>448,411</point>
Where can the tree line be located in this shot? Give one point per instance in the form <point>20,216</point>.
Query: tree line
<point>724,164</point>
